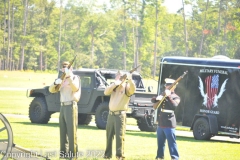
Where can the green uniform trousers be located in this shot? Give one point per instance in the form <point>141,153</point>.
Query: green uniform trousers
<point>116,125</point>
<point>68,120</point>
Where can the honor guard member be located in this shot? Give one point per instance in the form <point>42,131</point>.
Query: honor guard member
<point>167,121</point>
<point>116,123</point>
<point>70,92</point>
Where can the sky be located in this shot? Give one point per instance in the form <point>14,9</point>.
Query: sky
<point>174,5</point>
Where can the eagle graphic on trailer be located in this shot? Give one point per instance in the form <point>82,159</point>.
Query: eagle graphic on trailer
<point>210,98</point>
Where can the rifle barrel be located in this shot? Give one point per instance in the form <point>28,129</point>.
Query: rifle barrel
<point>170,87</point>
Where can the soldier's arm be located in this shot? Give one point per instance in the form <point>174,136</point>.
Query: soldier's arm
<point>108,90</point>
<point>131,88</point>
<point>74,83</point>
<point>52,88</point>
<point>174,100</point>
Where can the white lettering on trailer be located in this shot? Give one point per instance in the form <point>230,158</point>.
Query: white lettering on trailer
<point>220,72</point>
<point>206,71</point>
<point>230,129</point>
<point>213,71</point>
<point>209,111</point>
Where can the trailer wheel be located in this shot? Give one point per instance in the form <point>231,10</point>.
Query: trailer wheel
<point>84,119</point>
<point>38,112</point>
<point>201,129</point>
<point>101,115</point>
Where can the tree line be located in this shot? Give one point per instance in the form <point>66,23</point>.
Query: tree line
<point>119,34</point>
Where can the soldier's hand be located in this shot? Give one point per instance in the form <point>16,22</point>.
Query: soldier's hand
<point>58,81</point>
<point>159,98</point>
<point>117,82</point>
<point>67,72</point>
<point>167,92</point>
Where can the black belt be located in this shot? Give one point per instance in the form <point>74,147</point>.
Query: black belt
<point>117,112</point>
<point>68,103</point>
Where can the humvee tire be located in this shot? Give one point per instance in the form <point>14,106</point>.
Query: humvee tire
<point>38,112</point>
<point>84,119</point>
<point>101,115</point>
<point>146,125</point>
<point>201,129</point>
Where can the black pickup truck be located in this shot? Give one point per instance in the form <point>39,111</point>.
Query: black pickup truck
<point>93,101</point>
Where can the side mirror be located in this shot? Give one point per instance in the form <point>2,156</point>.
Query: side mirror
<point>150,88</point>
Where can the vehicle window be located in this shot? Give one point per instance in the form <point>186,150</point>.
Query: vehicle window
<point>86,81</point>
<point>138,82</point>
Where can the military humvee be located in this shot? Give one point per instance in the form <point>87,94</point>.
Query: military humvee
<point>93,101</point>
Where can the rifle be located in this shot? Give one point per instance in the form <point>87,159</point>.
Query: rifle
<point>57,87</point>
<point>124,77</point>
<point>170,87</point>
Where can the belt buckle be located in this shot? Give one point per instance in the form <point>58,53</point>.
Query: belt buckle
<point>114,112</point>
<point>67,103</point>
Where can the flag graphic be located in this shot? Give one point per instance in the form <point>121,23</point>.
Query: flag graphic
<point>211,83</point>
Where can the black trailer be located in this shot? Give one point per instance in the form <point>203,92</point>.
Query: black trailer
<point>210,94</point>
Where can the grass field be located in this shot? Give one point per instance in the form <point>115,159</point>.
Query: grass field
<point>139,145</point>
<point>45,138</point>
<point>18,79</point>
<point>15,83</point>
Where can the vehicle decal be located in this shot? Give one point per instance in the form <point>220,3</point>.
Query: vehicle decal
<point>210,98</point>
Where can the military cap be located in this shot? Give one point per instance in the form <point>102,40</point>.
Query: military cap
<point>65,64</point>
<point>169,81</point>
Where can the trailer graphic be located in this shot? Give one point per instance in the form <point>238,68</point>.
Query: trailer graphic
<point>210,94</point>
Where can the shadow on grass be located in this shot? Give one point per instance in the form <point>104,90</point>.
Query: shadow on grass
<point>179,138</point>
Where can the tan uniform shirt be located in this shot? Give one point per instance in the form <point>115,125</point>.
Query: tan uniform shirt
<point>119,100</point>
<point>70,89</point>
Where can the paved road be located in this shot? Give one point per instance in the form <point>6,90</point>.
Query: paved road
<point>135,128</point>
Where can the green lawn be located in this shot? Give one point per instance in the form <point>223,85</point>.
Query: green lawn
<point>45,138</point>
<point>139,145</point>
<point>22,79</point>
